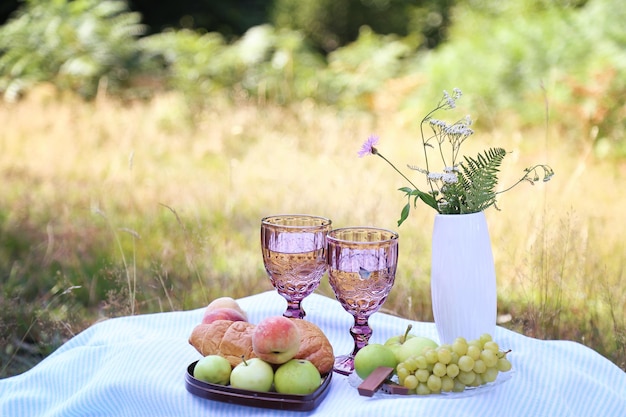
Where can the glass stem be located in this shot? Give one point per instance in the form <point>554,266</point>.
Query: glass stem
<point>294,310</point>
<point>361,332</point>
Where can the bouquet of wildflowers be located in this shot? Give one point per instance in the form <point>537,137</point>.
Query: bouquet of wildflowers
<point>465,184</point>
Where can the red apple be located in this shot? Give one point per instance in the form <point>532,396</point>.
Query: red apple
<point>276,339</point>
<point>225,302</point>
<point>222,314</point>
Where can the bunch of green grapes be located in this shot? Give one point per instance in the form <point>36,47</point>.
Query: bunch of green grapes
<point>452,368</point>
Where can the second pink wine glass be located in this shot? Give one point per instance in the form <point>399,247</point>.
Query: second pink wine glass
<point>362,265</point>
<point>294,254</point>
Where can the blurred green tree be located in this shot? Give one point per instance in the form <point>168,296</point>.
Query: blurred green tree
<point>7,8</point>
<point>74,44</point>
<point>330,24</point>
<point>230,18</point>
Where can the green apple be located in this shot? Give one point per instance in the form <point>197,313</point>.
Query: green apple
<point>371,357</point>
<point>214,369</point>
<point>396,342</point>
<point>407,345</point>
<point>414,347</point>
<point>400,339</point>
<point>297,376</point>
<point>253,374</point>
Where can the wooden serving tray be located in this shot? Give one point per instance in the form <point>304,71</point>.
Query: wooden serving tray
<point>274,400</point>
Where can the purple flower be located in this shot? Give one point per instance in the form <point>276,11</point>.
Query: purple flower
<point>368,146</point>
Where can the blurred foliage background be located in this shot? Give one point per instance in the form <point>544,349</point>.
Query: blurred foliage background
<point>335,52</point>
<point>178,73</point>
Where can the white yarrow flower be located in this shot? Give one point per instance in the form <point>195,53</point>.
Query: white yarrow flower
<point>449,178</point>
<point>435,176</point>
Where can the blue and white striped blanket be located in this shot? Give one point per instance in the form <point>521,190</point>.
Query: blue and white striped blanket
<point>135,366</point>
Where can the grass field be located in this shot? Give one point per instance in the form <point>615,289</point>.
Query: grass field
<point>109,209</point>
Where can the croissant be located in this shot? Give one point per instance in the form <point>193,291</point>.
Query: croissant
<point>314,346</point>
<point>230,339</point>
<point>233,339</point>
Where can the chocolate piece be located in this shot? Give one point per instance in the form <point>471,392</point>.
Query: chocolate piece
<point>393,388</point>
<point>374,381</point>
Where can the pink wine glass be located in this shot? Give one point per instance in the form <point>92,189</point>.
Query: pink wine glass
<point>362,265</point>
<point>294,254</point>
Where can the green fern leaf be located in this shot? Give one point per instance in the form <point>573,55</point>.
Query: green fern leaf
<point>478,178</point>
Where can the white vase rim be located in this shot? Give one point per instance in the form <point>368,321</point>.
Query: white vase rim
<point>459,214</point>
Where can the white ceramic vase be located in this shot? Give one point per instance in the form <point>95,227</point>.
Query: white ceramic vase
<point>463,278</point>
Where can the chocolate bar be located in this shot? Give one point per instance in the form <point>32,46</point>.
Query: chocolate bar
<point>395,389</point>
<point>374,381</point>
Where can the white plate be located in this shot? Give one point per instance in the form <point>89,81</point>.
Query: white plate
<point>503,377</point>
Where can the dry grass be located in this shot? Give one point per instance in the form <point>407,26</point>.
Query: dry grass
<point>163,203</point>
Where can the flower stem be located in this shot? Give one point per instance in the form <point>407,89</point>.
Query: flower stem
<point>432,188</point>
<point>398,171</point>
